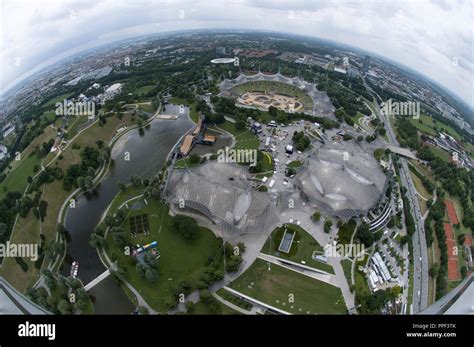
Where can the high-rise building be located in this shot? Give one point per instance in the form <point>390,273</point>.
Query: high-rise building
<point>220,50</point>
<point>366,63</point>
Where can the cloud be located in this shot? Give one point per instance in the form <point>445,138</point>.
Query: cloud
<point>427,36</point>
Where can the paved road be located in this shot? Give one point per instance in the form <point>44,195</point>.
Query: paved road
<point>420,254</point>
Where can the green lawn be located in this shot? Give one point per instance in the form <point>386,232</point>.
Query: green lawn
<point>184,162</point>
<point>143,90</point>
<point>46,117</point>
<point>301,250</point>
<point>226,295</point>
<point>59,98</point>
<point>244,139</point>
<point>146,107</point>
<point>193,114</point>
<point>278,286</point>
<point>180,259</point>
<point>17,180</point>
<point>347,267</point>
<point>295,164</point>
<point>424,124</point>
<point>440,153</point>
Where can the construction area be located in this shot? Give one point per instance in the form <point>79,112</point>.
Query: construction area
<point>280,90</point>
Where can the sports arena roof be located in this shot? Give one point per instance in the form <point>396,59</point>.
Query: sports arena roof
<point>14,302</point>
<point>222,193</point>
<point>458,301</point>
<point>223,60</point>
<point>342,179</point>
<point>322,105</point>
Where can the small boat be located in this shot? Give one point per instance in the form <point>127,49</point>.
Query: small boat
<point>74,269</point>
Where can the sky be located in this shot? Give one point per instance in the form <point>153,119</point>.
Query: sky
<point>433,37</point>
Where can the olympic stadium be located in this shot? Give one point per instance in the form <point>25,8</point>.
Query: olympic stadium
<point>224,195</point>
<point>342,180</point>
<point>276,87</point>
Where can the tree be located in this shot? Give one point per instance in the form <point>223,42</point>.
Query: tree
<point>186,226</point>
<point>122,186</point>
<point>120,238</point>
<point>143,310</point>
<point>327,226</point>
<point>205,296</point>
<point>81,304</point>
<point>316,216</point>
<point>151,275</point>
<point>365,235</point>
<point>239,125</point>
<point>190,306</point>
<point>96,240</point>
<point>434,269</point>
<point>136,180</point>
<point>3,231</point>
<point>64,307</point>
<point>463,271</point>
<point>404,239</point>
<point>194,158</point>
<point>282,118</point>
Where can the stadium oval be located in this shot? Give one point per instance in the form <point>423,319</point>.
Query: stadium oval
<point>223,60</point>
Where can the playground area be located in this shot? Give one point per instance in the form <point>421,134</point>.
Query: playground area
<point>139,224</point>
<point>264,101</point>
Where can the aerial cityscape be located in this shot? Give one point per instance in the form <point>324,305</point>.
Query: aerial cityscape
<point>234,170</point>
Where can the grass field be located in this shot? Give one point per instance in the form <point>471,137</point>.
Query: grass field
<point>180,259</point>
<point>146,107</point>
<point>347,268</point>
<point>423,170</point>
<point>244,139</point>
<point>46,117</point>
<point>424,124</point>
<point>279,285</point>
<point>17,180</point>
<point>301,250</point>
<point>143,90</point>
<point>10,270</point>
<point>421,190</point>
<point>295,164</point>
<point>193,114</point>
<point>441,154</point>
<point>59,98</point>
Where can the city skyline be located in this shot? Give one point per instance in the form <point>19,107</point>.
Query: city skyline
<point>436,45</point>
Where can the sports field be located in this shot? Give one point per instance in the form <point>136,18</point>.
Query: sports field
<point>453,217</point>
<point>453,269</point>
<point>289,290</point>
